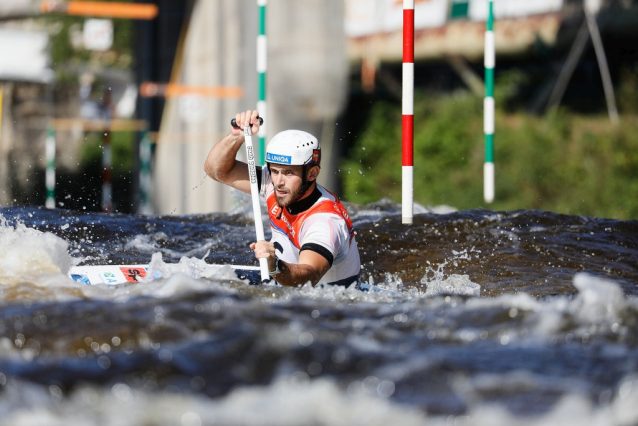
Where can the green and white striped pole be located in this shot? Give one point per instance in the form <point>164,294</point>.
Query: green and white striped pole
<point>262,66</point>
<point>145,174</point>
<point>488,107</point>
<point>49,176</point>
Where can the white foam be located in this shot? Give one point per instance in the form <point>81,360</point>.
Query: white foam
<point>9,351</point>
<point>522,301</point>
<point>443,209</point>
<point>27,251</point>
<point>146,243</point>
<point>189,266</point>
<point>454,284</point>
<point>598,301</point>
<point>34,265</point>
<point>294,401</point>
<point>335,293</point>
<point>439,284</point>
<point>176,284</point>
<point>599,308</point>
<point>574,409</point>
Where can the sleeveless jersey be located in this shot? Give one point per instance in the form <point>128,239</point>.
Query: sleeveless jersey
<point>325,227</point>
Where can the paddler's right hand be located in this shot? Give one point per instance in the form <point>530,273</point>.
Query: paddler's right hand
<point>244,119</point>
<point>266,250</point>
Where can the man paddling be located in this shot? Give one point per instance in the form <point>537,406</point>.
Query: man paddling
<point>312,235</point>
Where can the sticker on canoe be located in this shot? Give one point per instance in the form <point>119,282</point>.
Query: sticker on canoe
<point>133,275</point>
<point>109,278</point>
<point>81,278</point>
<point>130,274</point>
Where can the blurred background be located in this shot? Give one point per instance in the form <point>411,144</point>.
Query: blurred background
<point>114,108</point>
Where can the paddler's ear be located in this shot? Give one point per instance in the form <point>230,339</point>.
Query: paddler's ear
<point>313,172</point>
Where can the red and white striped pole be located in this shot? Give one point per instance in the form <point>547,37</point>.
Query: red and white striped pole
<point>407,199</point>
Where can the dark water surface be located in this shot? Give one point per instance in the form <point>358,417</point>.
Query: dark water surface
<point>550,338</point>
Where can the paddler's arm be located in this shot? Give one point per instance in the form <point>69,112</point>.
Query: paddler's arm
<point>221,164</point>
<point>311,267</point>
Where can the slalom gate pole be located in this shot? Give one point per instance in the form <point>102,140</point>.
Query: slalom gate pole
<point>107,191</point>
<point>145,173</point>
<point>254,193</point>
<point>1,120</point>
<point>488,107</point>
<point>407,196</point>
<point>262,66</point>
<point>49,176</point>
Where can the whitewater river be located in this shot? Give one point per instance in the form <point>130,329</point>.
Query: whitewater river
<point>492,318</point>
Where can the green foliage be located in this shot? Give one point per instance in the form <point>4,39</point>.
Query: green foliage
<point>66,58</point>
<point>628,90</point>
<point>446,142</point>
<point>562,162</point>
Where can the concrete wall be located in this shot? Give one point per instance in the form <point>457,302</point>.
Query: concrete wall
<point>307,74</point>
<point>218,51</point>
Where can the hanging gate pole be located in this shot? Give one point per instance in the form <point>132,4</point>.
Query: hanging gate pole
<point>488,107</point>
<point>407,197</point>
<point>262,66</point>
<point>49,175</point>
<point>146,183</point>
<point>107,191</point>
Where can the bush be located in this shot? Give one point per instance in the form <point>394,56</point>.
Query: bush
<point>562,162</point>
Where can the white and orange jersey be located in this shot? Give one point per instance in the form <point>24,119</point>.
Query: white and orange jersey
<point>319,223</point>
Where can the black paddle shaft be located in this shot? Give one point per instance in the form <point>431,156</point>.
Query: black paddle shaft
<point>233,122</point>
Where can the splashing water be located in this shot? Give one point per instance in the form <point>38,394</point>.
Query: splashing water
<point>485,318</point>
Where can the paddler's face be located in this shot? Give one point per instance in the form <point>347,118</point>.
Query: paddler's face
<point>287,181</point>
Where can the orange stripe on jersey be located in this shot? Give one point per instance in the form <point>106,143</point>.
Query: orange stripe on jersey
<point>291,224</point>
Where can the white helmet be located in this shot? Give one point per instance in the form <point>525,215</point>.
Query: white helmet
<point>295,148</point>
